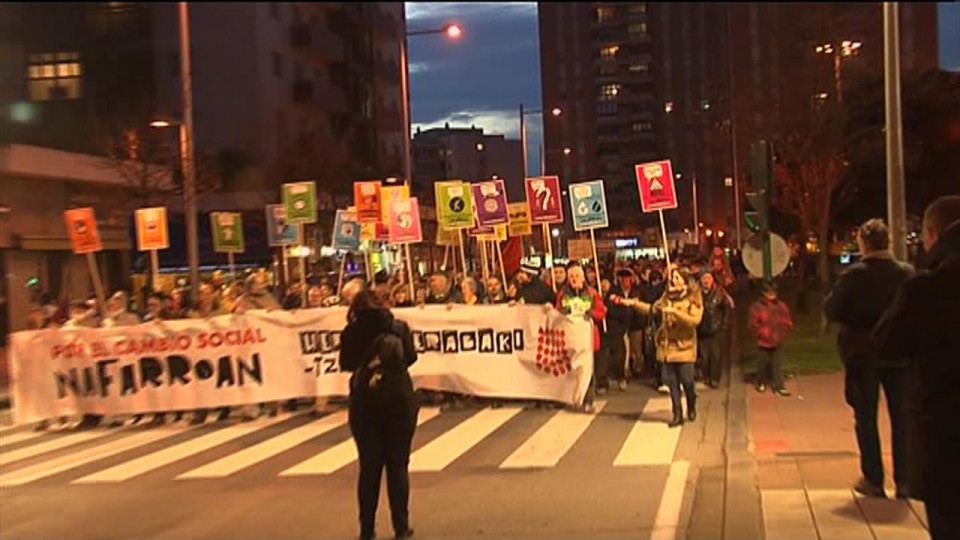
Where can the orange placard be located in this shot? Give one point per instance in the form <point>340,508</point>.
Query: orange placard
<point>82,228</point>
<point>152,229</point>
<point>366,197</point>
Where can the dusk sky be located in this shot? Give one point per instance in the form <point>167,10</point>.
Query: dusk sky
<point>481,78</point>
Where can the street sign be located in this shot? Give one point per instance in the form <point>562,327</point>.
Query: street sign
<point>83,231</point>
<point>753,255</point>
<point>346,231</point>
<point>300,202</point>
<point>655,182</point>
<point>543,196</point>
<point>490,199</point>
<point>279,231</point>
<point>367,197</point>
<point>227,230</point>
<point>454,205</point>
<point>152,231</point>
<point>589,205</point>
<point>405,222</point>
<point>519,219</point>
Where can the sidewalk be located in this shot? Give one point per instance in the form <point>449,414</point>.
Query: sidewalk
<point>807,461</point>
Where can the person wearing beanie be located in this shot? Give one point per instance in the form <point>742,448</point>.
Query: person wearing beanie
<point>530,288</point>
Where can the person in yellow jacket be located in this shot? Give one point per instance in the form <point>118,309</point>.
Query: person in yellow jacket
<point>680,310</point>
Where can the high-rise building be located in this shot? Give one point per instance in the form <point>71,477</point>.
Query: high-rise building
<point>281,90</point>
<point>678,80</point>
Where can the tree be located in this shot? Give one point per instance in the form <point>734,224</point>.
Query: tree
<point>809,174</point>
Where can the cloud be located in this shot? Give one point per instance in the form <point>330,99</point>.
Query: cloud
<point>481,78</point>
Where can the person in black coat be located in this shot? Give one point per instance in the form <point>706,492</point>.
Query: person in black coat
<point>857,302</point>
<point>923,325</point>
<point>531,289</point>
<point>712,331</point>
<point>377,349</point>
<point>613,347</point>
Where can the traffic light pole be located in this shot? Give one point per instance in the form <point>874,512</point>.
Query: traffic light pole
<point>761,161</point>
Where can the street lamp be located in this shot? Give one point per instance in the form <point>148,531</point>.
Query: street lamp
<point>555,112</point>
<point>452,31</point>
<point>845,49</point>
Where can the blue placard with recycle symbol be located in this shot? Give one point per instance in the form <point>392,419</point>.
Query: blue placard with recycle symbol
<point>589,205</point>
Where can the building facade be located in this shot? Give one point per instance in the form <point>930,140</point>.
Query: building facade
<point>466,154</point>
<point>696,83</point>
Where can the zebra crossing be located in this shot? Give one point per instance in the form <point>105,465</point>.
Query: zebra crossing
<point>302,445</point>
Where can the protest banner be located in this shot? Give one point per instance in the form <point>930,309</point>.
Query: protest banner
<point>454,205</point>
<point>501,351</point>
<point>544,200</point>
<point>367,197</point>
<point>300,202</point>
<point>346,231</point>
<point>490,201</point>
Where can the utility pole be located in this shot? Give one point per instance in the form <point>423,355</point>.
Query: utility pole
<point>187,154</point>
<point>896,191</point>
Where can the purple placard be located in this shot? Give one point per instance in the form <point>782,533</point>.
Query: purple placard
<point>490,203</point>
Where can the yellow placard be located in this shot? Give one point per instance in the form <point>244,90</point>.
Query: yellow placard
<point>388,194</point>
<point>519,214</point>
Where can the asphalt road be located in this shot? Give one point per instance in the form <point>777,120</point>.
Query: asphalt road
<point>476,473</point>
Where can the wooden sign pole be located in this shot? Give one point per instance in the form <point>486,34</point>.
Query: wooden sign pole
<point>154,270</point>
<point>97,283</point>
<point>463,252</point>
<point>343,265</point>
<point>666,244</point>
<point>446,258</point>
<point>233,267</point>
<point>406,249</point>
<point>503,270</point>
<point>548,243</point>
<point>303,270</point>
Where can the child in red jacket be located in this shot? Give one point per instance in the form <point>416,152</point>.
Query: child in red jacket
<point>770,321</point>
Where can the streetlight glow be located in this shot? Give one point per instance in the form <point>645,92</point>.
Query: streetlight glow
<point>453,31</point>
<point>567,150</point>
<point>160,124</point>
<point>480,147</point>
<point>557,111</point>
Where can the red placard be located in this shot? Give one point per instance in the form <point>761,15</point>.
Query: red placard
<point>655,182</point>
<point>366,197</point>
<point>543,196</point>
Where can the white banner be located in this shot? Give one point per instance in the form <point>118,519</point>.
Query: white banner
<point>492,351</point>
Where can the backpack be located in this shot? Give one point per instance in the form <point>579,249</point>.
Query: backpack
<point>386,355</point>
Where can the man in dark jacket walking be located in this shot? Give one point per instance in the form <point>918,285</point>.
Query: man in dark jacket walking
<point>857,302</point>
<point>711,334</point>
<point>923,325</point>
<point>530,288</point>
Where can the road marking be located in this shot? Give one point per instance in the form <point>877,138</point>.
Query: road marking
<point>265,450</point>
<point>552,441</point>
<point>650,442</point>
<point>71,461</point>
<point>166,456</point>
<point>51,445</point>
<point>332,460</point>
<point>667,523</point>
<point>445,449</point>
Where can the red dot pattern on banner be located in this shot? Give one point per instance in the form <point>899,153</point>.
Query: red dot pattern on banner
<point>552,355</point>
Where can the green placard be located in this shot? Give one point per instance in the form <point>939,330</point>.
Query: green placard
<point>300,202</point>
<point>227,230</point>
<point>454,205</point>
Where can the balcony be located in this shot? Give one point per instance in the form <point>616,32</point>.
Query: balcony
<point>318,43</point>
<point>322,96</point>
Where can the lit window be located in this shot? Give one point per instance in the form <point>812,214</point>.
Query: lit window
<point>610,51</point>
<point>609,91</point>
<point>53,76</point>
<point>639,68</point>
<point>605,14</point>
<point>642,127</point>
<point>705,104</point>
<point>637,7</point>
<point>637,28</point>
<point>668,107</point>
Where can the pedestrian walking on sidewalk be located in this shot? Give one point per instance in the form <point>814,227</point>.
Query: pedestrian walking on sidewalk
<point>377,349</point>
<point>770,321</point>
<point>923,325</point>
<point>681,310</point>
<point>857,302</point>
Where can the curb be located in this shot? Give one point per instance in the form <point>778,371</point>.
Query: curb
<point>742,505</point>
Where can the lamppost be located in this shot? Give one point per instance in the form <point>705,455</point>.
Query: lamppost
<point>556,111</point>
<point>846,49</point>
<point>185,137</point>
<point>453,31</point>
<point>696,206</point>
<point>896,190</point>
